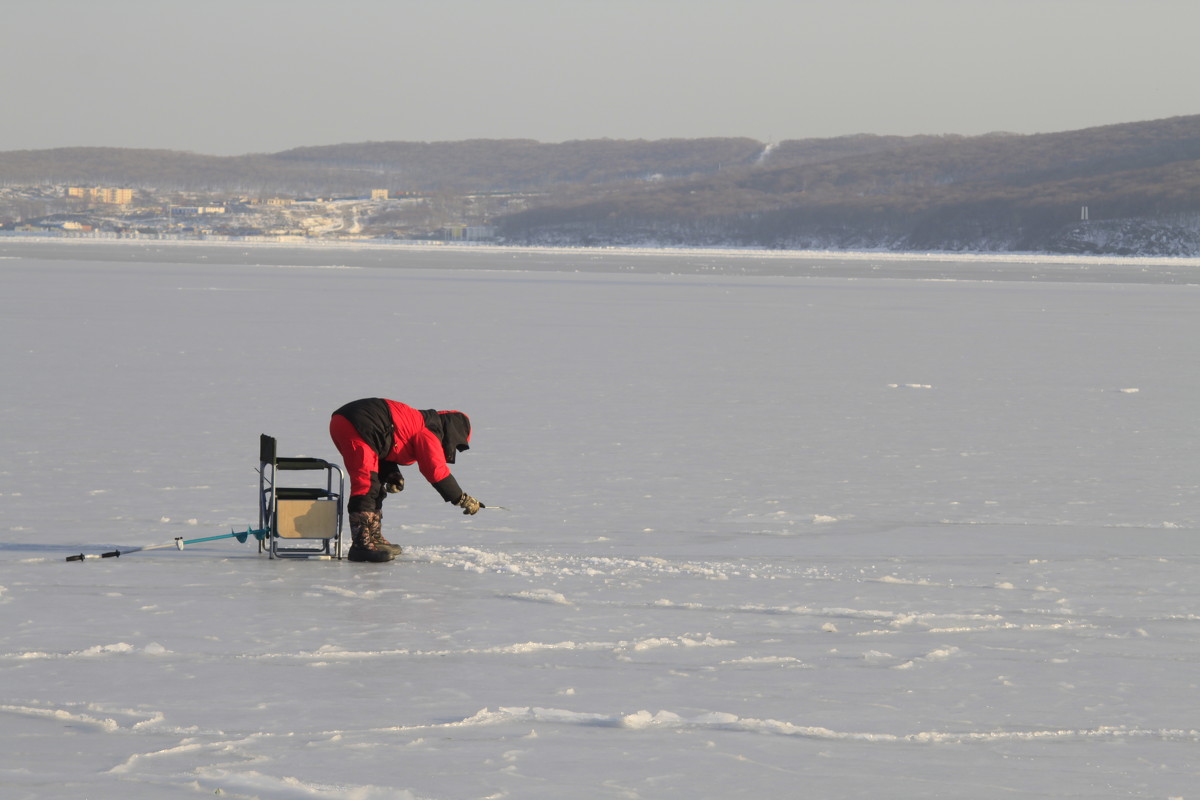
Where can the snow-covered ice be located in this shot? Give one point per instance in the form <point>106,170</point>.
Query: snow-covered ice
<point>839,530</point>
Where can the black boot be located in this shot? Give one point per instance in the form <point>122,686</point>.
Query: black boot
<point>364,528</point>
<point>382,543</point>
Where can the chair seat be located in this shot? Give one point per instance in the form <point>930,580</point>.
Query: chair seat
<point>302,493</point>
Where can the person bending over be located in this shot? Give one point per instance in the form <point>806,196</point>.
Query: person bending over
<point>376,437</point>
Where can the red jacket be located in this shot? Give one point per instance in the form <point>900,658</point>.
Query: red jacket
<point>374,435</point>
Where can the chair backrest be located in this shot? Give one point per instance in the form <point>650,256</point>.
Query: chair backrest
<point>266,449</point>
<point>267,455</point>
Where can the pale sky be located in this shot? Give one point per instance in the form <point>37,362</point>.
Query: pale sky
<point>229,77</point>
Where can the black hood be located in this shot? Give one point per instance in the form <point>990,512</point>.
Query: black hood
<point>453,428</point>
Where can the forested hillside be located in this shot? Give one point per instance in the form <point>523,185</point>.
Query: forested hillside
<point>1139,183</point>
<point>480,165</point>
<point>422,167</point>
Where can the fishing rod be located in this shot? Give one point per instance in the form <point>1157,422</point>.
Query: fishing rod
<point>178,544</point>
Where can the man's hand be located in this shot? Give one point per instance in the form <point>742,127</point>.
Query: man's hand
<point>393,482</point>
<point>469,504</point>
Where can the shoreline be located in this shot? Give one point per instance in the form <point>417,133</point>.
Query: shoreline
<point>664,251</point>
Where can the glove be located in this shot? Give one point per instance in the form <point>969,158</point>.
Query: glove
<point>393,482</point>
<point>469,504</point>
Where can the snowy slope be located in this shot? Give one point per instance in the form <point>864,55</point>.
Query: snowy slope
<point>845,536</point>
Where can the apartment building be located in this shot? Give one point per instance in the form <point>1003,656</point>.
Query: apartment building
<point>101,194</point>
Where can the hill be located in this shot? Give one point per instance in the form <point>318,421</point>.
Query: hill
<point>473,166</point>
<point>425,167</point>
<point>1139,182</point>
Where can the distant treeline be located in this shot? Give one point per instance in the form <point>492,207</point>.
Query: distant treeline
<point>1140,183</point>
<point>473,166</point>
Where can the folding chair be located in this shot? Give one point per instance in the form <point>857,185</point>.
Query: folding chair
<point>303,521</point>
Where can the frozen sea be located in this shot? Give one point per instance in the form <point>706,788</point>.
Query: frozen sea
<point>774,525</point>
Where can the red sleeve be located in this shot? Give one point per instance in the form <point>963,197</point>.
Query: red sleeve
<point>431,460</point>
<point>416,443</point>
